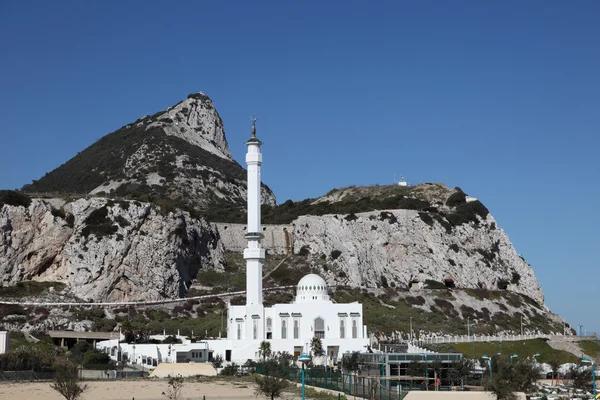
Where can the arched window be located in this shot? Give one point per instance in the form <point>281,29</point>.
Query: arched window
<point>342,328</point>
<point>319,328</point>
<point>354,328</point>
<point>269,328</point>
<point>283,329</point>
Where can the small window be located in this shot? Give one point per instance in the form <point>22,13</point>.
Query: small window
<point>354,328</point>
<point>342,328</point>
<point>296,328</point>
<point>283,329</point>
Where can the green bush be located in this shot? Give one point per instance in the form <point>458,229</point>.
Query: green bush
<point>14,198</point>
<point>99,224</point>
<point>335,254</point>
<point>29,288</point>
<point>457,198</point>
<point>431,284</point>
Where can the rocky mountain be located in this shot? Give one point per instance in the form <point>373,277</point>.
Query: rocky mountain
<point>179,156</point>
<point>398,237</point>
<point>106,250</point>
<point>155,210</point>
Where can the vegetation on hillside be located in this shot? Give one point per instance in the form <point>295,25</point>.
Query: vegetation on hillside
<point>14,198</point>
<point>523,349</point>
<point>106,159</point>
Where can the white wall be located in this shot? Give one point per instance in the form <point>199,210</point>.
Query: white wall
<point>4,336</point>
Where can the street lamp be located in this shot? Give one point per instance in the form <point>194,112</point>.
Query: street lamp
<point>587,360</point>
<point>134,360</point>
<point>304,358</point>
<point>426,373</point>
<point>489,362</point>
<point>513,356</point>
<point>581,341</point>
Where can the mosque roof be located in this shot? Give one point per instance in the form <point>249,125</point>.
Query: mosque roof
<point>312,287</point>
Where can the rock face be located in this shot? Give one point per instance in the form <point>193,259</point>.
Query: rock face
<point>396,248</point>
<point>105,250</point>
<point>179,155</point>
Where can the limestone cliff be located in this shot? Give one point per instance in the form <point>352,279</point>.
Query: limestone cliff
<point>405,237</point>
<point>105,250</point>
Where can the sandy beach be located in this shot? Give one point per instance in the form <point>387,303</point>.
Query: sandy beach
<point>128,390</point>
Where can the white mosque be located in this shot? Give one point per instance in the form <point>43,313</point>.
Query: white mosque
<point>288,327</point>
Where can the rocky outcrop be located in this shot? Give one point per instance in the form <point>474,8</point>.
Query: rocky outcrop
<point>196,121</point>
<point>397,248</point>
<point>179,154</point>
<point>105,250</point>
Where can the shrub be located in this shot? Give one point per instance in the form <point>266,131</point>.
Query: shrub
<point>516,277</point>
<point>304,251</point>
<point>119,219</point>
<point>384,282</point>
<point>67,381</point>
<point>351,217</point>
<point>70,218</point>
<point>14,198</point>
<point>230,370</point>
<point>457,198</point>
<point>415,301</point>
<point>425,217</point>
<point>99,224</point>
<point>59,213</point>
<point>431,284</point>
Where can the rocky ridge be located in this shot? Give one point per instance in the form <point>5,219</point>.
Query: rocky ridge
<point>179,156</point>
<point>105,250</point>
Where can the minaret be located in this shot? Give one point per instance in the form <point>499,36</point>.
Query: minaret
<point>254,254</point>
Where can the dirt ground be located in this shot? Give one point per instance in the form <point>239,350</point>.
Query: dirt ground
<point>128,390</point>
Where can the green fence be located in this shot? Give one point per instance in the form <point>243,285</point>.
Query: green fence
<point>363,387</point>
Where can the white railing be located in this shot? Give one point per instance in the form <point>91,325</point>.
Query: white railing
<point>479,338</point>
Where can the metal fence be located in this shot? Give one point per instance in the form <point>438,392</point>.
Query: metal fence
<point>366,387</point>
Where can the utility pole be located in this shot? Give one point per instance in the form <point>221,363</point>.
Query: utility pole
<point>521,325</point>
<point>411,331</point>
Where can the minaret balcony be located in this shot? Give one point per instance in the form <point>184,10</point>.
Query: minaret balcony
<point>254,158</point>
<point>254,235</point>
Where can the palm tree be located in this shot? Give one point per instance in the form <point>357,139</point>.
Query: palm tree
<point>316,346</point>
<point>264,350</point>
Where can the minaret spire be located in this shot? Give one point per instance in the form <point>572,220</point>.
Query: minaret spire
<point>254,254</point>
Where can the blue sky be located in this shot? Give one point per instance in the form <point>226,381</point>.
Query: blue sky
<point>499,98</point>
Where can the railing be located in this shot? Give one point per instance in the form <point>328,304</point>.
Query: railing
<point>366,387</point>
<point>496,338</point>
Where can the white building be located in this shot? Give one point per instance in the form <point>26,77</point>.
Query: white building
<point>288,327</point>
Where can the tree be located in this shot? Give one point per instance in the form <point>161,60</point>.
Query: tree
<point>316,346</point>
<point>274,380</point>
<point>264,350</point>
<point>510,378</point>
<point>230,370</point>
<point>217,361</point>
<point>351,362</point>
<point>175,386</point>
<point>460,370</point>
<point>67,381</point>
<point>554,366</point>
<point>581,377</point>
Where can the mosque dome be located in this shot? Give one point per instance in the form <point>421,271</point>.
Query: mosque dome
<point>312,288</point>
